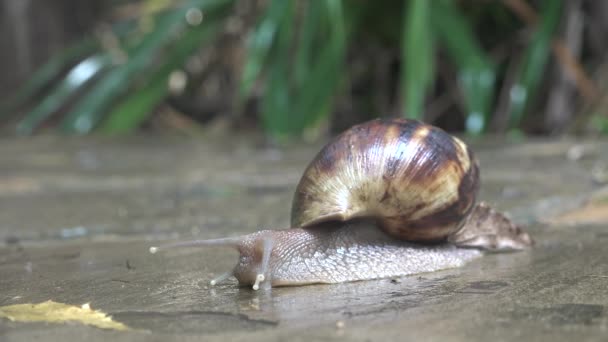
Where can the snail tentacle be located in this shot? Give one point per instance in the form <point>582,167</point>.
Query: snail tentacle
<point>255,256</point>
<point>230,242</point>
<point>221,278</point>
<point>267,244</point>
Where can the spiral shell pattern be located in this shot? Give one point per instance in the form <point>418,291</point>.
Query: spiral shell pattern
<point>418,182</point>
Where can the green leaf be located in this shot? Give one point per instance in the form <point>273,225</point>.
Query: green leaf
<point>260,42</point>
<point>276,103</point>
<point>535,62</point>
<point>89,111</point>
<point>417,57</point>
<point>75,80</point>
<point>600,123</point>
<point>46,74</point>
<point>133,110</point>
<point>298,94</point>
<point>477,74</point>
<point>324,72</point>
<point>306,40</point>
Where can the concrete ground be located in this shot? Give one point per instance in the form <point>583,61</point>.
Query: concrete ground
<point>77,216</point>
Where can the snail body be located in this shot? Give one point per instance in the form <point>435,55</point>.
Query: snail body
<point>413,181</point>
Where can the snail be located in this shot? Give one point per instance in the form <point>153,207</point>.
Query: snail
<point>386,198</point>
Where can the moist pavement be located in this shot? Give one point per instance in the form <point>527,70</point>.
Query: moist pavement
<point>77,216</point>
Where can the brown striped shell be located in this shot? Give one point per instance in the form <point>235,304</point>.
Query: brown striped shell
<point>416,180</point>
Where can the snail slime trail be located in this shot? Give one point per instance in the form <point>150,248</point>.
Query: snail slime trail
<point>386,198</point>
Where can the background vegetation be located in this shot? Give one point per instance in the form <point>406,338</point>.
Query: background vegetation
<point>300,68</point>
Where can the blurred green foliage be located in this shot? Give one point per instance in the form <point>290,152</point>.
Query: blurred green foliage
<point>535,60</point>
<point>297,50</point>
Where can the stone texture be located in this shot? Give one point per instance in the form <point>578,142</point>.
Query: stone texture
<point>78,215</point>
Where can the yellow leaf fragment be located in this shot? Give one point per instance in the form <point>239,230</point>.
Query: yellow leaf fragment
<point>591,213</point>
<point>53,312</point>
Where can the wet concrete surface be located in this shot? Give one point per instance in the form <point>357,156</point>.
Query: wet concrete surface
<point>77,216</point>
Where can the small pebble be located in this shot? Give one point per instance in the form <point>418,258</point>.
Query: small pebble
<point>11,240</point>
<point>74,232</point>
<point>254,304</point>
<point>511,192</point>
<point>576,152</point>
<point>599,173</point>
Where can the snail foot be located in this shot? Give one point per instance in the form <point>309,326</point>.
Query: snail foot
<point>490,230</point>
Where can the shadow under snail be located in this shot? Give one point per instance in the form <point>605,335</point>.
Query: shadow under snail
<point>386,198</point>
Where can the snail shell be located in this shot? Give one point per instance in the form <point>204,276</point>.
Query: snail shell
<point>418,182</point>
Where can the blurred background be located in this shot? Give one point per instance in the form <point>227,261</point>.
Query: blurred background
<point>302,69</point>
